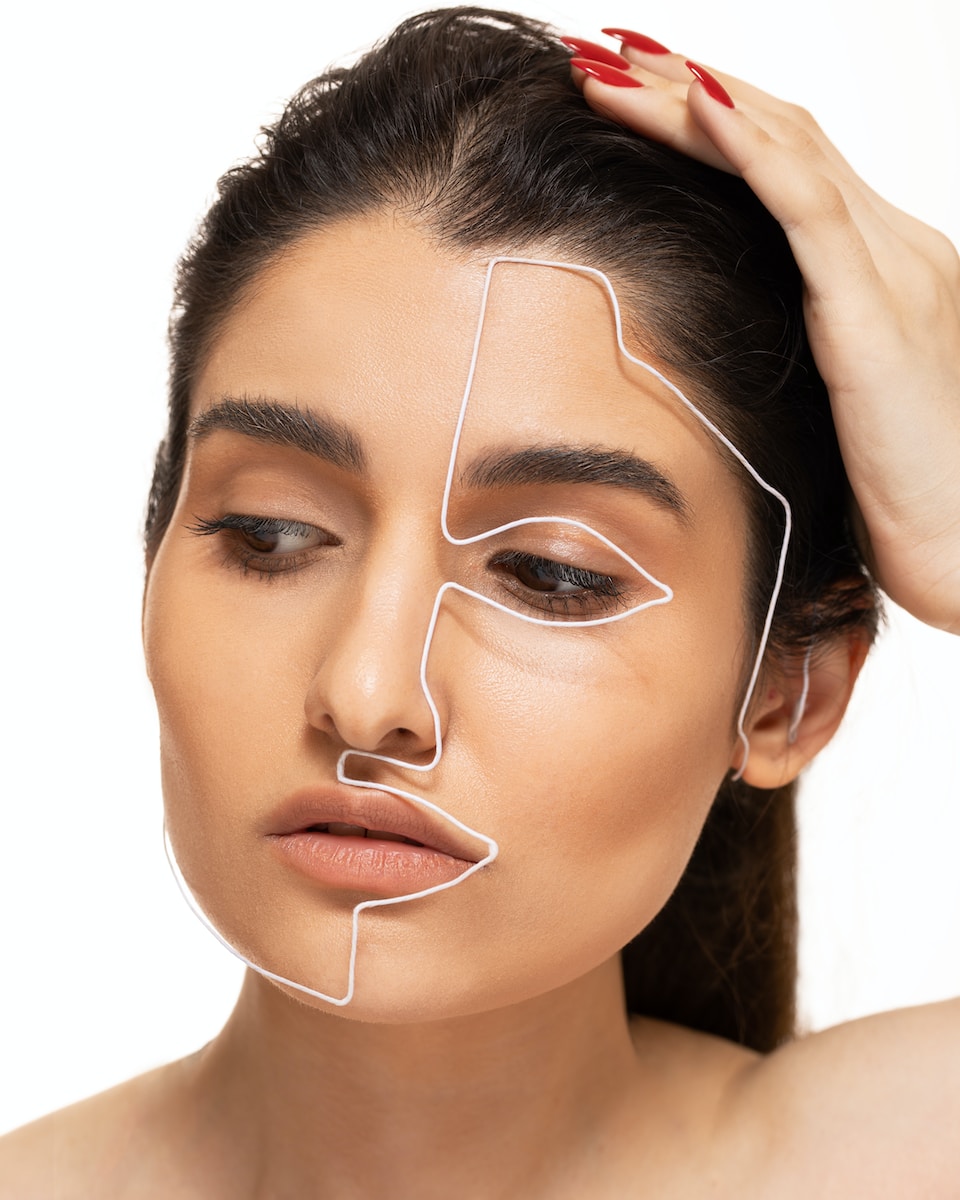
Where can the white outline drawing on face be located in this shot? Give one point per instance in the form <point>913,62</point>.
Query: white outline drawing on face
<point>666,595</point>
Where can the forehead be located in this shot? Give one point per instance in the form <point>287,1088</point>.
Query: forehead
<point>373,324</point>
<point>350,316</point>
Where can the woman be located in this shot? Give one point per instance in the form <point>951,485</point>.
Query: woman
<point>326,324</point>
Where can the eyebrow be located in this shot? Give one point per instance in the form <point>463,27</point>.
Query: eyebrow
<point>577,465</point>
<point>283,425</point>
<point>334,442</point>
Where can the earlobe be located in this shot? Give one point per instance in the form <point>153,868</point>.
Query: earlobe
<point>799,709</point>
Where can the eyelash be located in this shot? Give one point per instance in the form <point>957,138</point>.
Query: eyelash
<point>594,592</point>
<point>240,529</point>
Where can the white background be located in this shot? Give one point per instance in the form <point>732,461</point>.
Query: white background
<point>117,120</point>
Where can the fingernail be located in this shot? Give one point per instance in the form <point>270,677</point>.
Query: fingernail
<point>596,53</point>
<point>712,86</point>
<point>605,74</point>
<point>636,41</point>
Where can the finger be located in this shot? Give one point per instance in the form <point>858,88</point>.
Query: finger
<point>662,111</point>
<point>815,211</point>
<point>657,59</point>
<point>653,56</point>
<point>650,54</point>
<point>860,267</point>
<point>582,48</point>
<point>653,116</point>
<point>657,111</point>
<point>796,129</point>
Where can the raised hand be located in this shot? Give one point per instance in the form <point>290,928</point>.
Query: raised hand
<point>882,301</point>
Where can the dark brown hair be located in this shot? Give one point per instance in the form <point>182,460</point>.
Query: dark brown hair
<point>467,122</point>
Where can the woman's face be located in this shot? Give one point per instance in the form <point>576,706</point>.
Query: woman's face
<point>288,606</point>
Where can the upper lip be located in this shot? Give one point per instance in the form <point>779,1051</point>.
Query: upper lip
<point>371,809</point>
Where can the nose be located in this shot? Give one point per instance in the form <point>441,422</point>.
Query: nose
<point>366,693</point>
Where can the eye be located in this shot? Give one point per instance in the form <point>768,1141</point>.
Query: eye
<point>557,587</point>
<point>267,545</point>
<point>544,575</point>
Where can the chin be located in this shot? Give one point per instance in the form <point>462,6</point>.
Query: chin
<point>406,977</point>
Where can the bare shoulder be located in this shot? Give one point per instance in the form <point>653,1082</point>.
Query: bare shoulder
<point>697,1062</point>
<point>684,1081</point>
<point>111,1145</point>
<point>869,1108</point>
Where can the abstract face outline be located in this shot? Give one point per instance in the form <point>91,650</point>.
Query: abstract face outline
<point>655,592</point>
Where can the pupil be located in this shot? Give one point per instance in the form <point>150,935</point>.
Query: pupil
<point>538,577</point>
<point>262,544</point>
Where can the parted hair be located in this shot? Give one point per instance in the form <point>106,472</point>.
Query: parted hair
<point>466,121</point>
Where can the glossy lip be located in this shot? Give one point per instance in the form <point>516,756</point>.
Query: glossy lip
<point>371,809</point>
<point>373,865</point>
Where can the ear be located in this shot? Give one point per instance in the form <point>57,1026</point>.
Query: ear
<point>798,709</point>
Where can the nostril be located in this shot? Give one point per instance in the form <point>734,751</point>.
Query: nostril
<point>366,692</point>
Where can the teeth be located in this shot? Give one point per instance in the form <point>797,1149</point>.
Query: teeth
<point>390,837</point>
<point>342,830</point>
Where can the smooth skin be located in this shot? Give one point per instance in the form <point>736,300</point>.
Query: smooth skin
<point>552,1094</point>
<point>261,683</point>
<point>882,309</point>
<point>505,1065</point>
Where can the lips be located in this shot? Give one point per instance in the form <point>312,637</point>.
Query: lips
<point>375,813</point>
<point>342,830</point>
<point>370,841</point>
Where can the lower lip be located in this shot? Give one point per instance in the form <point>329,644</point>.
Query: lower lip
<point>370,865</point>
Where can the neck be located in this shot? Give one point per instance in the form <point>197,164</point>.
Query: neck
<point>494,1104</point>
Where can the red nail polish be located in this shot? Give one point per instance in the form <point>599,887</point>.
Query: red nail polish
<point>636,41</point>
<point>712,86</point>
<point>595,52</point>
<point>605,74</point>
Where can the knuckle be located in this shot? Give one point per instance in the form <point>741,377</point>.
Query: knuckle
<point>937,264</point>
<point>803,139</point>
<point>800,116</point>
<point>827,200</point>
<point>802,121</point>
<point>818,203</point>
<point>946,256</point>
<point>934,298</point>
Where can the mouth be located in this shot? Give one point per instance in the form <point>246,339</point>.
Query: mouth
<point>341,829</point>
<point>369,841</point>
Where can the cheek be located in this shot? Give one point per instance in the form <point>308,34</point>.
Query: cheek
<point>591,756</point>
<point>570,706</point>
<point>228,696</point>
<point>604,750</point>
